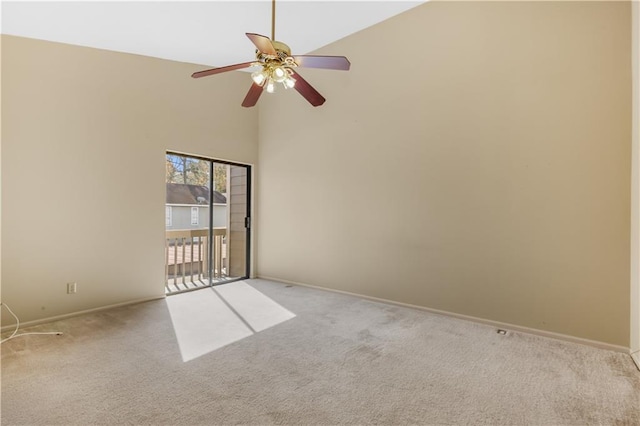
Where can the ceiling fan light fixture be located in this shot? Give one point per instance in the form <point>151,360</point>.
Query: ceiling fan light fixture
<point>270,86</point>
<point>259,77</point>
<point>289,82</point>
<point>279,74</point>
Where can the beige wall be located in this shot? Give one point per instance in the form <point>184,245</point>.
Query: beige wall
<point>474,160</point>
<point>83,141</point>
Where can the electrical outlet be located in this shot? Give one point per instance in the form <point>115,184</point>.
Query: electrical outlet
<point>71,288</point>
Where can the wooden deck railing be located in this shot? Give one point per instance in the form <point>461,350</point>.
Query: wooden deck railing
<point>186,257</point>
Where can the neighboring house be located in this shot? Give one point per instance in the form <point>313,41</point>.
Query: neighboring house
<point>187,207</point>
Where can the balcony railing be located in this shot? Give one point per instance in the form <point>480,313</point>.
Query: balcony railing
<point>187,259</point>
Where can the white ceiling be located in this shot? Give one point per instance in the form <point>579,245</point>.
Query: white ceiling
<point>202,32</point>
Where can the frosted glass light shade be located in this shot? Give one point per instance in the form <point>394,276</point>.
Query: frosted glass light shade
<point>258,77</point>
<point>270,86</point>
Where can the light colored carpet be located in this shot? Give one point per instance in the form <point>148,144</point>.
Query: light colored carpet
<point>340,360</point>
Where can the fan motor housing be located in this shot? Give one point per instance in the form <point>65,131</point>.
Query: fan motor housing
<point>283,50</point>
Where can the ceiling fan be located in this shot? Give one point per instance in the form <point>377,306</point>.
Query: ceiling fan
<point>278,67</point>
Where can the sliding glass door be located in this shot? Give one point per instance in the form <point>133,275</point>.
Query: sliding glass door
<point>208,220</point>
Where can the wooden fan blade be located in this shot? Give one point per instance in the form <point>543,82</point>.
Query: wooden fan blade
<point>220,70</point>
<point>308,92</point>
<point>263,43</point>
<point>252,96</point>
<point>326,62</point>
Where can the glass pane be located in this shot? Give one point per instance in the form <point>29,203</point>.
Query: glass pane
<point>237,231</point>
<point>187,223</point>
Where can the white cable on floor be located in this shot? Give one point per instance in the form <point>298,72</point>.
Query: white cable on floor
<point>13,335</point>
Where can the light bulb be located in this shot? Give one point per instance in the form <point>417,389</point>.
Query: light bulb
<point>279,74</point>
<point>270,86</point>
<point>258,77</point>
<point>289,83</point>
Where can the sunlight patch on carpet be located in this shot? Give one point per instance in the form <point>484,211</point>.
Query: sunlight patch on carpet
<point>258,310</point>
<point>208,319</point>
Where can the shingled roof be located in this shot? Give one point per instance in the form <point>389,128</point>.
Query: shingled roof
<point>178,193</point>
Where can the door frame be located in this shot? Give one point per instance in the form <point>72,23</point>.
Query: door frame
<point>248,217</point>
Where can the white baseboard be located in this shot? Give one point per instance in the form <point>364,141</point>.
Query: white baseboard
<point>636,358</point>
<point>75,314</point>
<point>497,324</point>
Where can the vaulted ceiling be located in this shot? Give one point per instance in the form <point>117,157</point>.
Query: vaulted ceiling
<point>202,32</point>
